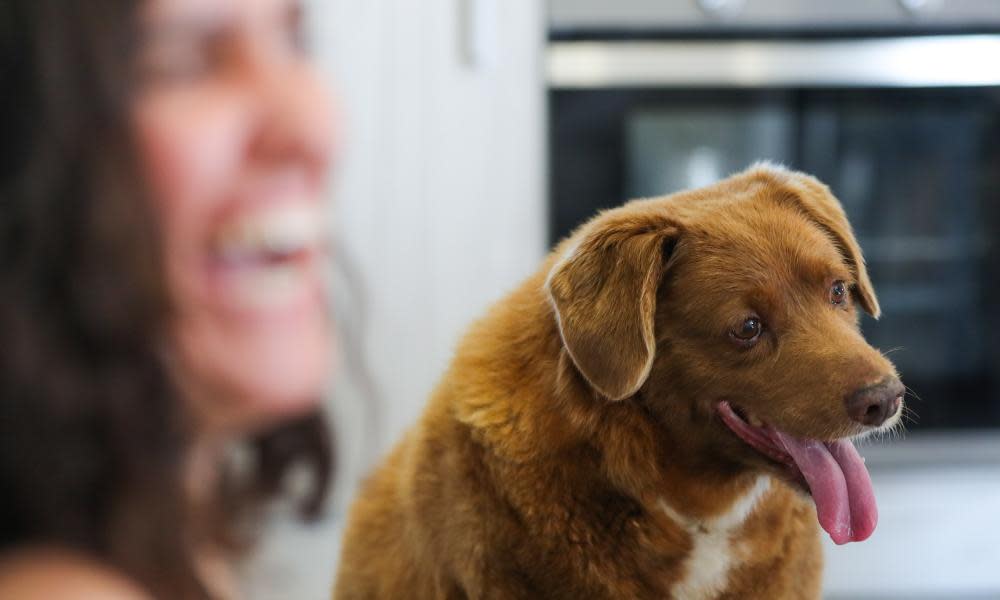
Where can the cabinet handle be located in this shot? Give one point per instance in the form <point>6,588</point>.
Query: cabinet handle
<point>479,33</point>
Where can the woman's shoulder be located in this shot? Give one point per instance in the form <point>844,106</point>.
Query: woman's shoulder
<point>38,573</point>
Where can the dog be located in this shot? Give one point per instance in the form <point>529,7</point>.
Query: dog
<point>664,409</point>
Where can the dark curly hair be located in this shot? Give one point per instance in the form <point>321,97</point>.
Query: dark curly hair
<point>92,439</point>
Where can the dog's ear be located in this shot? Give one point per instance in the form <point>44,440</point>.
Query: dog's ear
<point>604,294</point>
<point>822,207</point>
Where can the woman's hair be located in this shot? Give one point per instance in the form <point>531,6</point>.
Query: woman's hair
<point>92,439</point>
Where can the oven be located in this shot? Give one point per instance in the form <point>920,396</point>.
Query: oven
<point>895,104</point>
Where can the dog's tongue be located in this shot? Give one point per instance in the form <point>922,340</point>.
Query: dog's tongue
<point>840,485</point>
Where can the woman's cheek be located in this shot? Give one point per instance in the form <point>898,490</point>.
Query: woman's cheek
<point>190,146</point>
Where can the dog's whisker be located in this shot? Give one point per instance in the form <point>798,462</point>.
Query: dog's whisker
<point>899,430</point>
<point>912,393</point>
<point>910,415</point>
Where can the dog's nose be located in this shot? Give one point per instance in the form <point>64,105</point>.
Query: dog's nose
<point>875,404</point>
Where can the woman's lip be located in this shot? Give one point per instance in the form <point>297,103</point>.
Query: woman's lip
<point>261,288</point>
<point>267,259</point>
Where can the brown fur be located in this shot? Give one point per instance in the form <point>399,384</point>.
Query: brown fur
<point>587,396</point>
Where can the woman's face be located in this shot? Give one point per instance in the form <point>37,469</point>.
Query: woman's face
<point>235,131</point>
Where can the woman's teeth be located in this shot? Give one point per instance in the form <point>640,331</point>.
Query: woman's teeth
<point>268,236</point>
<point>267,256</point>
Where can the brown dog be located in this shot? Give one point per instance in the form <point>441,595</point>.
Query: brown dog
<point>662,411</point>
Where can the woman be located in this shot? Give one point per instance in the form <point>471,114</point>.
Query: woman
<point>161,176</point>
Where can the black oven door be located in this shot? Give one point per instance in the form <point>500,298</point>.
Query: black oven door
<point>917,168</point>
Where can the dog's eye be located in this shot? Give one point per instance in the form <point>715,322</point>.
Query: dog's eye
<point>748,332</point>
<point>838,293</point>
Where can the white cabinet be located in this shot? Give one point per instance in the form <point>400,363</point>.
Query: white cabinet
<point>440,193</point>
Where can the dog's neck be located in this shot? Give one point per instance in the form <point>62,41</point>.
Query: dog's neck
<point>732,517</point>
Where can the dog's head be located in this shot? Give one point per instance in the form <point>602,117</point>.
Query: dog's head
<point>731,312</point>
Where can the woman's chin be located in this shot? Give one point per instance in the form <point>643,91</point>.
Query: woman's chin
<point>240,386</point>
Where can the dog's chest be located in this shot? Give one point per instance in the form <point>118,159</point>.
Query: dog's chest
<point>715,551</point>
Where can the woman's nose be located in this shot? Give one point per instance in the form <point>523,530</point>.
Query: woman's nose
<point>296,116</point>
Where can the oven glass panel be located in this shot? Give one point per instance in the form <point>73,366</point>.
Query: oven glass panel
<point>918,172</point>
<point>693,147</point>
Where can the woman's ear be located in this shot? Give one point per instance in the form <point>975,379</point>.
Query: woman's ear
<point>604,295</point>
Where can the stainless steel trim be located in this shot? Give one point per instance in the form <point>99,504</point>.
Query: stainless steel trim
<point>934,61</point>
<point>773,15</point>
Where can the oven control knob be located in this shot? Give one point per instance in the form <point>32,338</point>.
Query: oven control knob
<point>721,8</point>
<point>920,7</point>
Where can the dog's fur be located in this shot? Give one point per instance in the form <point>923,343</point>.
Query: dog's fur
<point>572,450</point>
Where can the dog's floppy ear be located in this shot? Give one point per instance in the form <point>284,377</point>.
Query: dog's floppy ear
<point>604,294</point>
<point>821,206</point>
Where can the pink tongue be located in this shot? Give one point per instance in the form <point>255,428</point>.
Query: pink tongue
<point>840,485</point>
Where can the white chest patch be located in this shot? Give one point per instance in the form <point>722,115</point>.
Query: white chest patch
<point>712,554</point>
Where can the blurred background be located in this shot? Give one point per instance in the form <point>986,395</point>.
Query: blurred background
<point>479,132</point>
